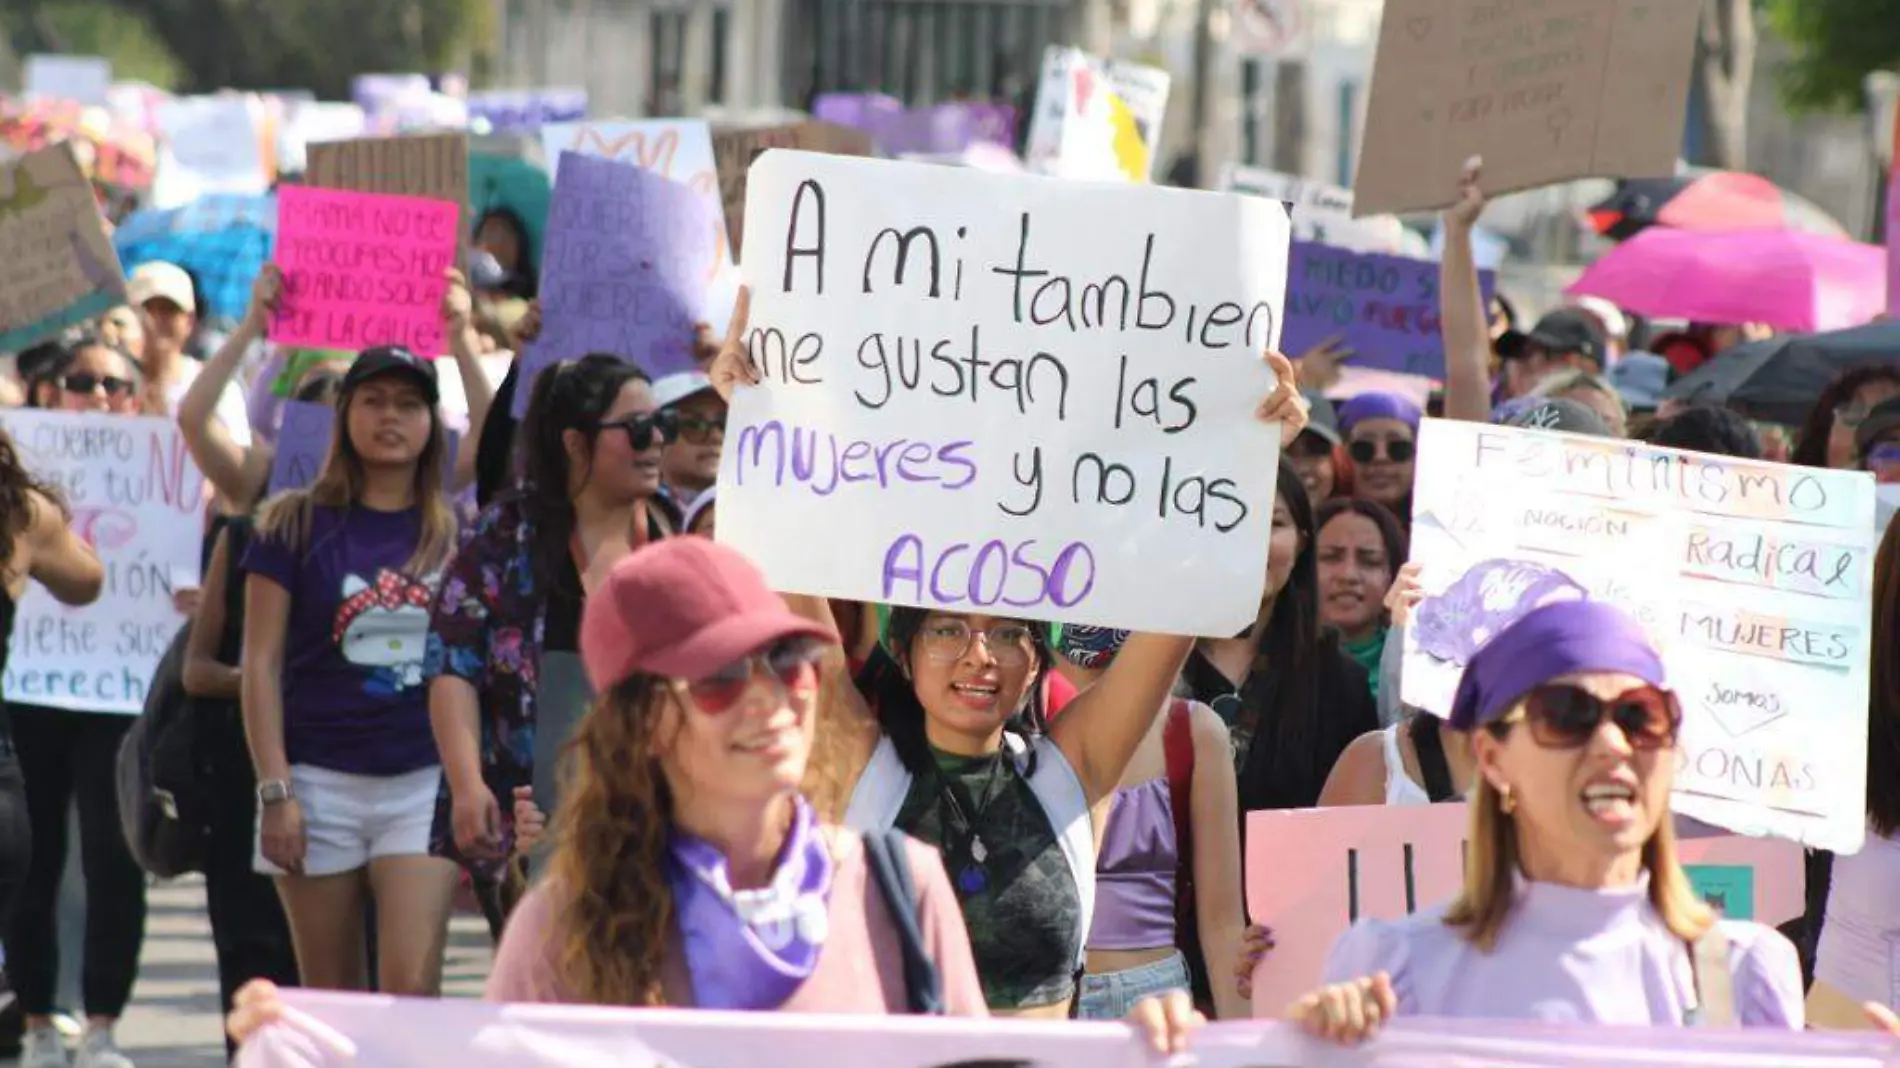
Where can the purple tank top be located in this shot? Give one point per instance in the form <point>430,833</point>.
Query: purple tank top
<point>1135,870</point>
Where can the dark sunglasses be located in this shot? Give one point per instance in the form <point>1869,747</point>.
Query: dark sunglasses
<point>792,661</point>
<point>699,429</point>
<point>1396,451</point>
<point>1566,717</point>
<point>643,430</point>
<point>86,382</point>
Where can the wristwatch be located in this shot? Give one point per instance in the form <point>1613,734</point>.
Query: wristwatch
<point>275,792</point>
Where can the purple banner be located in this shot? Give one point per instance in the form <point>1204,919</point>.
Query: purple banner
<point>1384,308</point>
<point>943,129</point>
<point>625,270</point>
<point>526,110</point>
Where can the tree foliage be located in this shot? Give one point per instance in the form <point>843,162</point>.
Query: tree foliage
<point>91,28</point>
<point>317,45</point>
<point>1837,44</point>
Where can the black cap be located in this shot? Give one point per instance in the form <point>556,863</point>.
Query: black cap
<point>392,360</point>
<point>1569,330</point>
<point>1882,420</point>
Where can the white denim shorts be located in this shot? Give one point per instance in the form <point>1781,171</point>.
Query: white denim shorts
<point>350,820</point>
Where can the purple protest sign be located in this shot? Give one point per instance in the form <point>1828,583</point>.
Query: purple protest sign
<point>1384,308</point>
<point>625,271</point>
<point>942,129</point>
<point>527,110</point>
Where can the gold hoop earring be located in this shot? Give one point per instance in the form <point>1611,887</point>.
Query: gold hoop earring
<point>1506,803</point>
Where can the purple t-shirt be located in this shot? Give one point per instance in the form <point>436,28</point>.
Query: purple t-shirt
<point>354,697</point>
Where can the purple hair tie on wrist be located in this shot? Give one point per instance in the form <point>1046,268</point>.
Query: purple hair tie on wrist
<point>1564,638</point>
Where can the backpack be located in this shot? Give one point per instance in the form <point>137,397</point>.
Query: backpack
<point>164,799</point>
<point>890,870</point>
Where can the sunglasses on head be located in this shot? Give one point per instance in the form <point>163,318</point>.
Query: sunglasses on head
<point>1562,716</point>
<point>644,430</point>
<point>699,429</point>
<point>87,382</point>
<point>1396,451</point>
<point>792,661</point>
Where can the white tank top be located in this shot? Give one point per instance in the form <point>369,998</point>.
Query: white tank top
<point>1859,953</point>
<point>1399,787</point>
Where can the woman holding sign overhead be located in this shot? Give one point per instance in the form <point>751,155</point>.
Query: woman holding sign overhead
<point>69,756</point>
<point>341,575</point>
<point>1574,906</point>
<point>965,760</point>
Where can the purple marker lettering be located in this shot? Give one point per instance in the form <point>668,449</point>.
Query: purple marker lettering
<point>896,569</point>
<point>983,556</point>
<point>936,574</point>
<point>1020,558</point>
<point>952,454</point>
<point>1058,583</point>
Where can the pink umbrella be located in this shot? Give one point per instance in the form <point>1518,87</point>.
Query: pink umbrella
<point>1788,279</point>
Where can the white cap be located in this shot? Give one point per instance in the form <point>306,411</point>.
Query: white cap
<point>160,280</point>
<point>675,388</point>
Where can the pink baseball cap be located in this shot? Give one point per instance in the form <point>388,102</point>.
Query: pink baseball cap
<point>682,608</point>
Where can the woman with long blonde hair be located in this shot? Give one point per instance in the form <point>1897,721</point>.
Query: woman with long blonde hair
<point>339,580</point>
<point>1574,906</point>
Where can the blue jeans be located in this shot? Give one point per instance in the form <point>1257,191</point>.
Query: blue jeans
<point>1112,995</point>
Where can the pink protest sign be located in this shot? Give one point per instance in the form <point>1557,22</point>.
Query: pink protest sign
<point>1312,872</point>
<point>362,269</point>
<point>346,1031</point>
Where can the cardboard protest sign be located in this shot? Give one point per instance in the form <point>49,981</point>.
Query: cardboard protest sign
<point>1545,92</point>
<point>976,394</point>
<point>211,144</point>
<point>432,165</point>
<point>679,149</point>
<point>362,269</point>
<point>137,499</point>
<point>1753,579</point>
<point>57,266</point>
<point>346,1030</point>
<point>1384,308</point>
<point>303,444</point>
<point>734,151</point>
<point>1097,120</point>
<point>1312,873</point>
<point>1322,212</point>
<point>625,261</point>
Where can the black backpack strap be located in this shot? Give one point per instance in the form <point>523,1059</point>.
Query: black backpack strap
<point>890,869</point>
<point>1431,758</point>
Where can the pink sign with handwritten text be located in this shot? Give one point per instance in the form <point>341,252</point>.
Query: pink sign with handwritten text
<point>362,269</point>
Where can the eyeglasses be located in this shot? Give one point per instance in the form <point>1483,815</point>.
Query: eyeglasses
<point>700,429</point>
<point>792,661</point>
<point>1398,452</point>
<point>86,382</point>
<point>1561,716</point>
<point>947,640</point>
<point>642,430</point>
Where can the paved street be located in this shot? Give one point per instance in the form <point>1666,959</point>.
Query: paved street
<point>175,1022</point>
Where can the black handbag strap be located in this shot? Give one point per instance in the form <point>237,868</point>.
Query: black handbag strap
<point>890,868</point>
<point>1432,764</point>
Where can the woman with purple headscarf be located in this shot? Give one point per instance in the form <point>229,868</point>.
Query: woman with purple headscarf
<point>1382,436</point>
<point>1574,906</point>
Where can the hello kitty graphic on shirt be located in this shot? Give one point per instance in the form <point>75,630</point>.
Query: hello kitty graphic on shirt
<point>384,626</point>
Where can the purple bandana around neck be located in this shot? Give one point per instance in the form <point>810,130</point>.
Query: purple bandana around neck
<point>751,949</point>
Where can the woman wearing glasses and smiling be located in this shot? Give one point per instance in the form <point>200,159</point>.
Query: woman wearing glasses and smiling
<point>504,637</point>
<point>1574,906</point>
<point>1382,437</point>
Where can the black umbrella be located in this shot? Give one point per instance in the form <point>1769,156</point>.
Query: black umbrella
<point>1780,379</point>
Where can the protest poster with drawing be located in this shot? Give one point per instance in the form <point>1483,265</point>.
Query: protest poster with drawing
<point>57,266</point>
<point>430,165</point>
<point>1753,579</point>
<point>678,149</point>
<point>1545,92</point>
<point>362,269</point>
<point>1322,211</point>
<point>1096,119</point>
<point>138,500</point>
<point>346,1030</point>
<point>1383,308</point>
<point>1312,873</point>
<point>978,396</point>
<point>734,151</point>
<point>626,257</point>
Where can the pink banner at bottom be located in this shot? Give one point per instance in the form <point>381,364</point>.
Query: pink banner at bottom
<point>337,1030</point>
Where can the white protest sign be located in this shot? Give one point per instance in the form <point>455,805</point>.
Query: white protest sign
<point>138,500</point>
<point>211,144</point>
<point>1322,212</point>
<point>1095,119</point>
<point>87,79</point>
<point>1006,394</point>
<point>1753,579</point>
